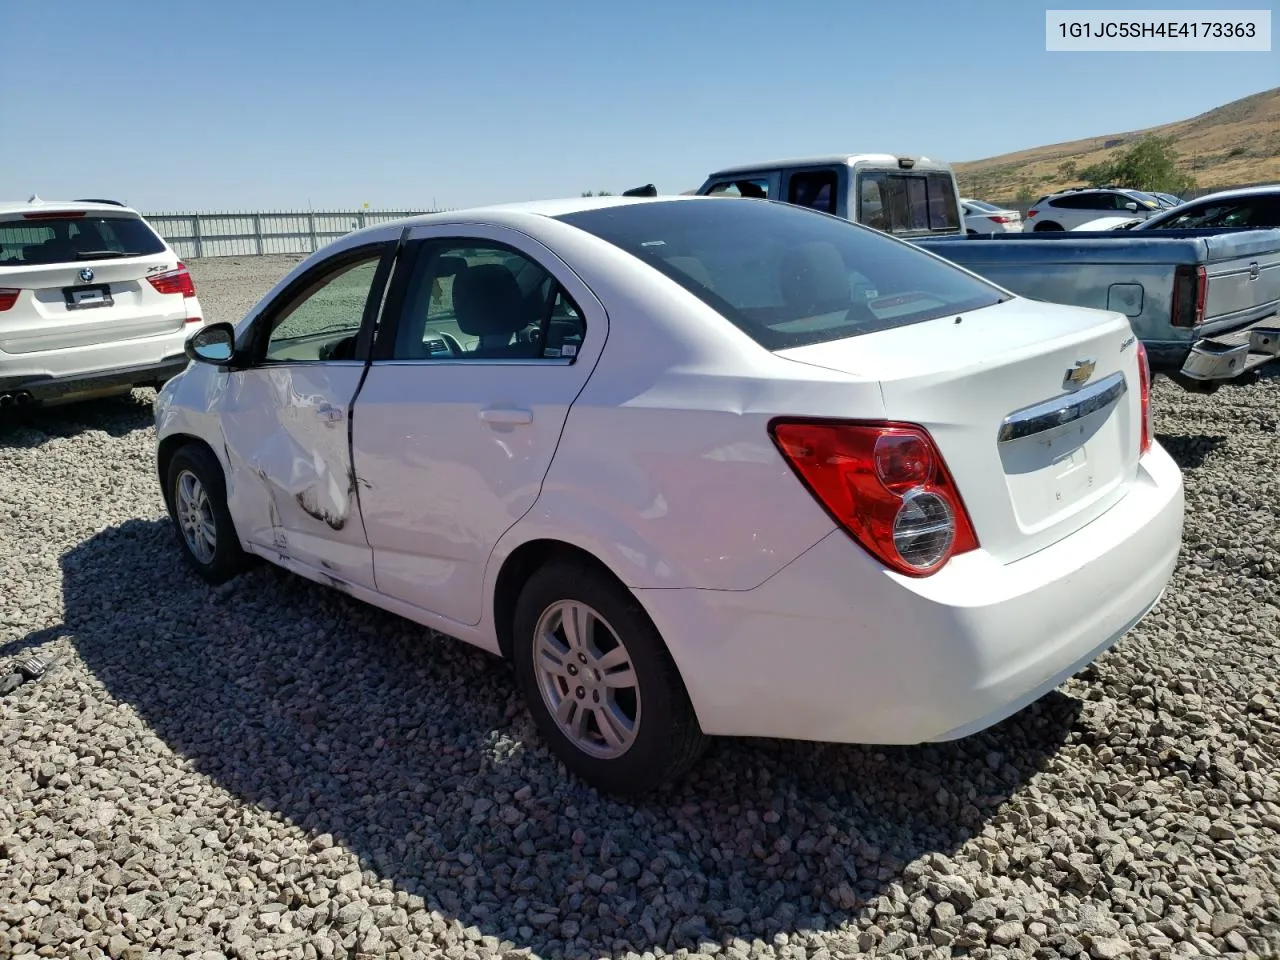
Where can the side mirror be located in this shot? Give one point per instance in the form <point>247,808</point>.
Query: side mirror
<point>1131,206</point>
<point>215,344</point>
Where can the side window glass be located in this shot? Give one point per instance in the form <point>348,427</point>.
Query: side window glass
<point>758,189</point>
<point>324,322</point>
<point>815,189</point>
<point>476,301</point>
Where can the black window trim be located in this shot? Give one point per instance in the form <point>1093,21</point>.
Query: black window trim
<point>259,332</point>
<point>419,251</point>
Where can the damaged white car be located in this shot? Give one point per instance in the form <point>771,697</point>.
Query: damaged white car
<point>697,467</point>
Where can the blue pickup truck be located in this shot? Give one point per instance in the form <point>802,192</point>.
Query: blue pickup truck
<point>1204,302</point>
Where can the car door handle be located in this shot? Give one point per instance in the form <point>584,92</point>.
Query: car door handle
<point>329,413</point>
<point>506,415</point>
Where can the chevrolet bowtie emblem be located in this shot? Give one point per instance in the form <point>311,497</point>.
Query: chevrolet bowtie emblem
<point>1079,374</point>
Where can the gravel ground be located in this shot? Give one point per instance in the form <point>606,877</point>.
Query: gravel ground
<point>270,769</point>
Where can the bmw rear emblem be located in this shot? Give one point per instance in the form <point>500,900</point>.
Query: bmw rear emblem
<point>86,275</point>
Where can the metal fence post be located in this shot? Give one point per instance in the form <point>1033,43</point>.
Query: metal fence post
<point>361,212</point>
<point>257,231</point>
<point>311,229</point>
<point>196,235</point>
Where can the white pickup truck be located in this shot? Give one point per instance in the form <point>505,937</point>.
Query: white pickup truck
<point>907,196</point>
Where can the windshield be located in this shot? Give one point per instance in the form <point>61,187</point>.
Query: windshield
<point>1145,200</point>
<point>784,275</point>
<point>1261,211</point>
<point>982,205</point>
<point>74,236</point>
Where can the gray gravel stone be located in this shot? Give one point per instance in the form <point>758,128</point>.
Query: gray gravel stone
<point>269,769</point>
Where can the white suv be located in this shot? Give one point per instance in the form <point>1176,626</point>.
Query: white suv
<point>92,302</point>
<point>1070,208</point>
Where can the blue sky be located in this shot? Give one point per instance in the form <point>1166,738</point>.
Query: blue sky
<point>229,104</point>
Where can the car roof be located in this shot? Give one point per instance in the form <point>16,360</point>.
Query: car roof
<point>831,160</point>
<point>541,208</point>
<point>1239,192</point>
<point>61,206</point>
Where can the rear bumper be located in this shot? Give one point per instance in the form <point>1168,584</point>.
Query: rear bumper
<point>43,387</point>
<point>833,648</point>
<point>1222,356</point>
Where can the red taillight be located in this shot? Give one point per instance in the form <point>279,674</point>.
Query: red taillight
<point>175,281</point>
<point>1031,213</point>
<point>885,484</point>
<point>195,319</point>
<point>8,297</point>
<point>1190,287</point>
<point>1003,219</point>
<point>55,215</point>
<point>1144,392</point>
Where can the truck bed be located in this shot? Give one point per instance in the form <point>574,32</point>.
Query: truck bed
<point>1156,281</point>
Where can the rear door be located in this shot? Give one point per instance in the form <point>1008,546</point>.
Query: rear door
<point>84,278</point>
<point>459,417</point>
<point>286,418</point>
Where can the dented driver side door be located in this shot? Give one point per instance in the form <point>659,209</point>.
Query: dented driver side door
<point>286,418</point>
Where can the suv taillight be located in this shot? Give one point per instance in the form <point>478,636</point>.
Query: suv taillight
<point>1144,392</point>
<point>885,484</point>
<point>1190,287</point>
<point>175,281</point>
<point>8,297</point>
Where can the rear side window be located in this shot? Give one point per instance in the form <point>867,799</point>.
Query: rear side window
<point>72,237</point>
<point>908,203</point>
<point>815,189</point>
<point>783,275</point>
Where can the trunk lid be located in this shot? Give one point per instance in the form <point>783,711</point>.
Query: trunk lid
<point>1035,455</point>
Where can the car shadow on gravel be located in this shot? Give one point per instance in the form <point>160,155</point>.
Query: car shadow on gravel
<point>1190,452</point>
<point>417,755</point>
<point>115,416</point>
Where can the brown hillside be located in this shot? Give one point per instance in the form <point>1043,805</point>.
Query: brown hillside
<point>1233,144</point>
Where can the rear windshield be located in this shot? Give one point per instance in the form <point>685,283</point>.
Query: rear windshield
<point>983,205</point>
<point>908,203</point>
<point>785,275</point>
<point>66,238</point>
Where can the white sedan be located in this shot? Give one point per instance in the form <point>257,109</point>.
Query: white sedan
<point>983,217</point>
<point>698,468</point>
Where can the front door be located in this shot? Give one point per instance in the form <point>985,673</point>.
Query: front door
<point>463,406</point>
<point>286,418</point>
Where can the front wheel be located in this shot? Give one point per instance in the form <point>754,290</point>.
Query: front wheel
<point>198,506</point>
<point>600,683</point>
<point>1046,227</point>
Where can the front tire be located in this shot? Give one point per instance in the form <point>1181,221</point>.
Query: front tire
<point>197,496</point>
<point>600,683</point>
<point>1046,227</point>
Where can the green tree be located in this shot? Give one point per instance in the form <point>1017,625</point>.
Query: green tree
<point>1024,196</point>
<point>1150,164</point>
<point>1067,170</point>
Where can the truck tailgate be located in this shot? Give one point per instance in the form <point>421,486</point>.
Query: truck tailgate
<point>1242,277</point>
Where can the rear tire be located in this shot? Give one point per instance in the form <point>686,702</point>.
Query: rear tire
<point>1046,226</point>
<point>585,649</point>
<point>197,500</point>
